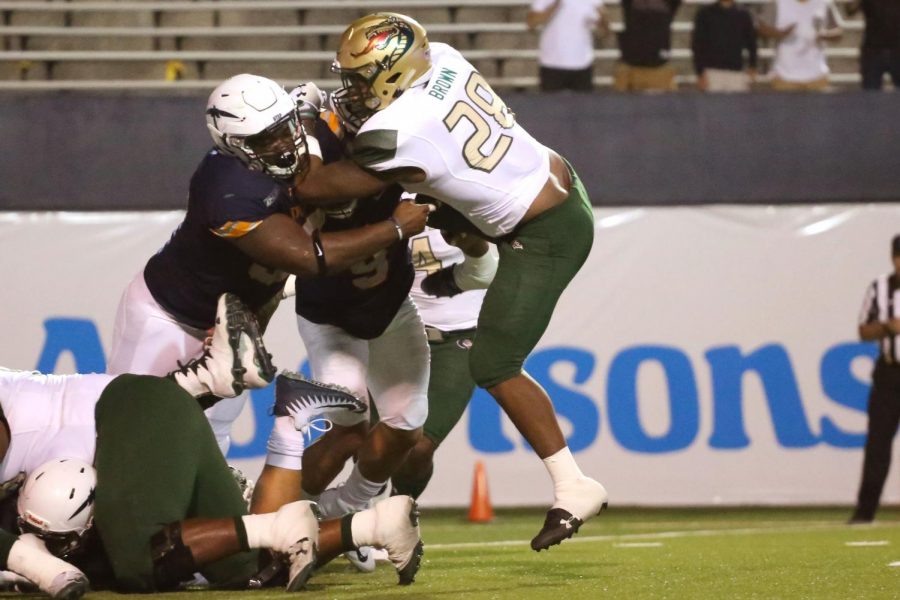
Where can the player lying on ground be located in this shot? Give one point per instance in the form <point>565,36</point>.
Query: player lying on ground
<point>428,120</point>
<point>157,462</point>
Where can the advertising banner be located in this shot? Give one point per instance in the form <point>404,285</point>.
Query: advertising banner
<point>702,356</point>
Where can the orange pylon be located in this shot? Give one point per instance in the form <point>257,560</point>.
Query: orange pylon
<point>480,510</point>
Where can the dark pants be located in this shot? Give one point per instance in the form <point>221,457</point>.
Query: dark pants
<point>884,416</point>
<point>158,462</point>
<point>875,62</point>
<point>555,80</point>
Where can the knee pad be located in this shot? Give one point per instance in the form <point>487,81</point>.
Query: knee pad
<point>406,418</point>
<point>173,562</point>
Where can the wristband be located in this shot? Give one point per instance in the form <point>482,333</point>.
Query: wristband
<point>397,226</point>
<point>319,251</point>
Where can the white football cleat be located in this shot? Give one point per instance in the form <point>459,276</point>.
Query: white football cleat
<point>68,586</point>
<point>29,557</point>
<point>576,502</point>
<point>295,534</point>
<point>304,400</point>
<point>235,358</point>
<point>397,531</point>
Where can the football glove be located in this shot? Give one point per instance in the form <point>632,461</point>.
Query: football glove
<point>309,99</point>
<point>441,283</point>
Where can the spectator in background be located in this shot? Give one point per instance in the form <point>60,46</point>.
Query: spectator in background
<point>644,46</point>
<point>567,41</point>
<point>880,51</point>
<point>801,28</point>
<point>879,321</point>
<point>722,31</point>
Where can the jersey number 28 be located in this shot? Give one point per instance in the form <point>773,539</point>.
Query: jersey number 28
<point>485,103</point>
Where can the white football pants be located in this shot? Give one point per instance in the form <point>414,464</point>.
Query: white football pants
<point>393,366</point>
<point>149,341</point>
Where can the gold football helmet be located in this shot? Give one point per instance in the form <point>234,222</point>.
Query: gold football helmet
<point>379,57</point>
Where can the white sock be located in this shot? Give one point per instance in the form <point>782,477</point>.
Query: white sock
<point>285,445</point>
<point>357,490</point>
<point>562,467</point>
<point>259,530</point>
<point>363,527</point>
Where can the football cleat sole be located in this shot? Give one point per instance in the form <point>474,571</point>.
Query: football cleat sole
<point>298,581</point>
<point>243,322</point>
<point>408,571</point>
<point>559,525</point>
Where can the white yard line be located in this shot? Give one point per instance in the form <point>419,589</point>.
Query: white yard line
<point>638,545</point>
<point>817,526</point>
<point>867,543</point>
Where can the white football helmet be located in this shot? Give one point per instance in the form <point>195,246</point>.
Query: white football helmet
<point>254,119</point>
<point>57,504</point>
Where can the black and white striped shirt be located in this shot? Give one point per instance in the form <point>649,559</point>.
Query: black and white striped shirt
<point>882,303</point>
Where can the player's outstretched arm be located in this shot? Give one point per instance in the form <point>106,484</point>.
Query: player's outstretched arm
<point>337,182</point>
<point>281,243</point>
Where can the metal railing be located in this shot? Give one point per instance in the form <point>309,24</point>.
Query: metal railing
<point>28,58</point>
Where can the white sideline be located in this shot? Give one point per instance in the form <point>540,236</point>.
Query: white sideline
<point>812,525</point>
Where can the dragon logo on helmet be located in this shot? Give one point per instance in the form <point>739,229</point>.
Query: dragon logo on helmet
<point>381,36</point>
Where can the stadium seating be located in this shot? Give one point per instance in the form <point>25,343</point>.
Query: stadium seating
<point>94,44</point>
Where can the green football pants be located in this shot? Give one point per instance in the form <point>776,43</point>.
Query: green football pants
<point>158,462</point>
<point>450,386</point>
<point>537,262</point>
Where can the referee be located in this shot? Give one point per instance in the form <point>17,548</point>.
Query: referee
<point>879,321</point>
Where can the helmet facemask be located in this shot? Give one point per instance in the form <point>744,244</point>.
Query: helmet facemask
<point>356,101</point>
<point>253,119</point>
<point>279,150</point>
<point>62,545</point>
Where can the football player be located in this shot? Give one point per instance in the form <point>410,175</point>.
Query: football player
<point>448,291</point>
<point>363,332</point>
<point>241,235</point>
<point>165,504</point>
<point>428,120</point>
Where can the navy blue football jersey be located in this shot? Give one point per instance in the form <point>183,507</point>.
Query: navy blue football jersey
<point>363,300</point>
<point>198,263</point>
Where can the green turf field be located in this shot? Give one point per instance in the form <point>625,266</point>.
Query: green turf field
<point>636,553</point>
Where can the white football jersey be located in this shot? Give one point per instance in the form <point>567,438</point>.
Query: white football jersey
<point>429,253</point>
<point>49,416</point>
<point>453,126</point>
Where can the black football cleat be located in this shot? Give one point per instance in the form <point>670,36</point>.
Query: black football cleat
<point>303,399</point>
<point>559,525</point>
